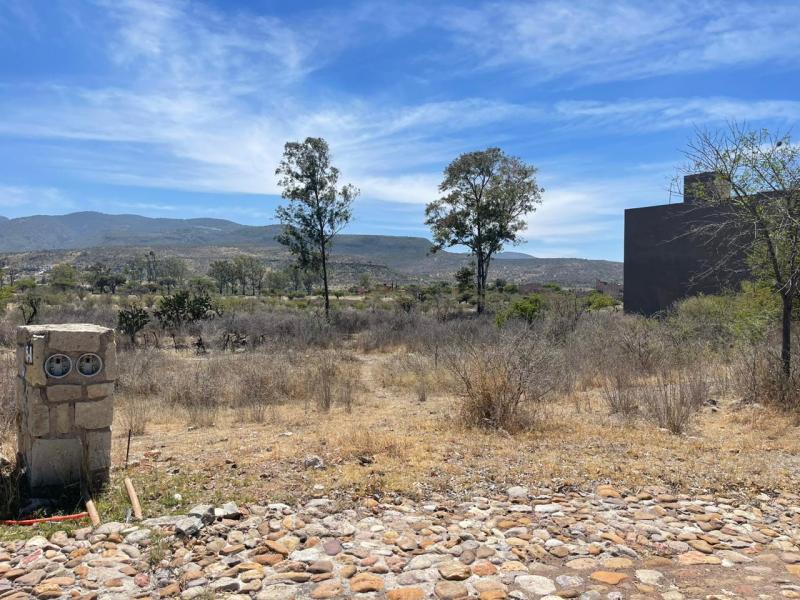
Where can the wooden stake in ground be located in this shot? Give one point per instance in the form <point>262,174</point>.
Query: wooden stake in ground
<point>137,508</point>
<point>93,514</point>
<point>128,451</point>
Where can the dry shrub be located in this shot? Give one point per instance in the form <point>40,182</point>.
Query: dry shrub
<point>257,391</point>
<point>333,379</point>
<point>416,372</point>
<point>143,376</point>
<point>256,383</point>
<point>323,372</point>
<point>136,413</point>
<point>505,382</point>
<point>10,478</point>
<point>621,347</point>
<point>361,442</point>
<point>8,331</point>
<point>8,404</point>
<point>198,392</point>
<point>757,373</point>
<point>639,341</point>
<point>619,391</point>
<point>141,371</point>
<point>674,398</point>
<point>420,369</point>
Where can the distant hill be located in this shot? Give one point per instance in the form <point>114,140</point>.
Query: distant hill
<point>89,236</point>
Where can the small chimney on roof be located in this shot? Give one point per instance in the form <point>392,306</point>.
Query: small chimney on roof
<point>701,188</point>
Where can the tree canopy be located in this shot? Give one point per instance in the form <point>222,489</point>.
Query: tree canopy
<point>317,210</point>
<point>756,191</point>
<point>485,197</point>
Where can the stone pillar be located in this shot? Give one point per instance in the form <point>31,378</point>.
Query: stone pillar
<point>65,405</point>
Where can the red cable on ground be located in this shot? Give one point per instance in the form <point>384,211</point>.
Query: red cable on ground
<point>55,519</point>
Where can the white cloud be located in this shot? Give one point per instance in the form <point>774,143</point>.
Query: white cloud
<point>579,211</point>
<point>652,114</point>
<point>34,198</point>
<point>415,189</point>
<point>601,41</point>
<point>204,101</point>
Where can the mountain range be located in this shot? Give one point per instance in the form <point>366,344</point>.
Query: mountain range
<point>101,236</point>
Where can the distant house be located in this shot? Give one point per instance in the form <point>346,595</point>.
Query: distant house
<point>530,288</point>
<point>611,288</point>
<point>665,261</point>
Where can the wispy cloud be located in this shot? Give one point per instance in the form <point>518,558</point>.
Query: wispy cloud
<point>192,143</point>
<point>198,96</point>
<point>35,198</point>
<point>579,211</point>
<point>652,114</point>
<point>602,41</point>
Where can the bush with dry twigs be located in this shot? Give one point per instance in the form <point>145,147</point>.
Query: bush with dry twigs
<point>674,398</point>
<point>197,392</point>
<point>504,380</point>
<point>7,402</point>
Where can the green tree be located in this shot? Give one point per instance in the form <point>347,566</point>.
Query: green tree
<point>249,270</point>
<point>278,281</point>
<point>183,307</point>
<point>485,197</point>
<point>756,190</point>
<point>465,278</point>
<point>63,277</point>
<point>223,273</point>
<point>527,309</point>
<point>172,270</point>
<point>29,306</point>
<point>24,284</point>
<point>100,278</point>
<point>317,208</point>
<point>12,273</point>
<point>136,269</point>
<point>598,300</point>
<point>131,321</point>
<point>202,285</point>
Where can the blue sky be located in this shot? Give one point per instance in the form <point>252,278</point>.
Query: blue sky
<point>177,108</point>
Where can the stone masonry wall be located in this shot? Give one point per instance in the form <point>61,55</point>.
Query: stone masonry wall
<point>65,406</point>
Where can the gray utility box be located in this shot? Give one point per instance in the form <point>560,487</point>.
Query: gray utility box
<point>65,405</point>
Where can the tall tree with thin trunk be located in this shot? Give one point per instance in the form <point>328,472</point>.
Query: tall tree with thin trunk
<point>317,208</point>
<point>485,197</point>
<point>757,196</point>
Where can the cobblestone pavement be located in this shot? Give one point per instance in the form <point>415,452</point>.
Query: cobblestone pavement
<point>524,544</point>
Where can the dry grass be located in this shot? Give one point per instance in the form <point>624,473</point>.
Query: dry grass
<point>504,382</point>
<point>256,415</point>
<point>391,444</point>
<point>8,371</point>
<point>413,371</point>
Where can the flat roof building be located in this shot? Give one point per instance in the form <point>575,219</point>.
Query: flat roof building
<point>666,260</point>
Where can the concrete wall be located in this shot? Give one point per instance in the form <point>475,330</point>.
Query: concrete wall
<point>664,264</point>
<point>65,412</point>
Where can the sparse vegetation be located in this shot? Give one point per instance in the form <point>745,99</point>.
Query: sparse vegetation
<point>485,198</point>
<point>131,321</point>
<point>405,390</point>
<point>504,381</point>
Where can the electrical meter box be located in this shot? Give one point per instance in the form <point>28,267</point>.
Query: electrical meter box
<point>65,405</point>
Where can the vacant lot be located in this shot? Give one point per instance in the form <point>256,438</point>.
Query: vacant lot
<point>386,442</point>
<point>568,454</point>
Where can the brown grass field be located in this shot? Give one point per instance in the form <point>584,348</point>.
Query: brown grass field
<point>386,423</point>
<point>390,443</point>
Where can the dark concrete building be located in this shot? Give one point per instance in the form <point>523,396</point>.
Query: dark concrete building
<point>665,261</point>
